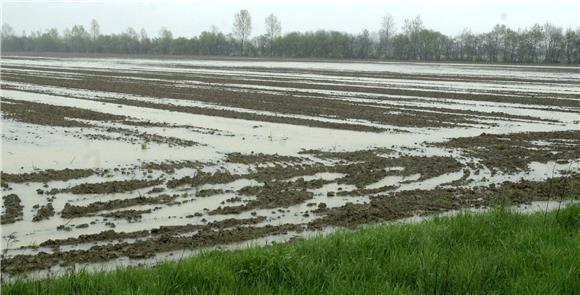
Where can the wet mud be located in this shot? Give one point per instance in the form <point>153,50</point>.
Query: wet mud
<point>111,187</point>
<point>12,209</point>
<point>72,211</point>
<point>48,175</point>
<point>514,152</point>
<point>421,202</point>
<point>43,213</point>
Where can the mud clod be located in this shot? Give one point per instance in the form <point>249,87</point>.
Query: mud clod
<point>13,209</point>
<point>45,212</point>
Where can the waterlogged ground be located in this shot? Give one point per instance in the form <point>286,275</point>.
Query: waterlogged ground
<point>129,161</point>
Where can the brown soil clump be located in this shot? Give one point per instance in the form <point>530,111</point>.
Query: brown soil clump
<point>204,178</point>
<point>45,212</point>
<point>273,195</point>
<point>208,193</point>
<point>12,209</point>
<point>130,215</point>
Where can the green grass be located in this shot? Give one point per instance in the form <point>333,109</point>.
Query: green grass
<point>499,252</point>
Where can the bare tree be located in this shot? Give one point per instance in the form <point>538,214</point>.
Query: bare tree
<point>387,32</point>
<point>411,29</point>
<point>214,29</point>
<point>273,30</point>
<point>242,27</point>
<point>7,31</point>
<point>553,38</point>
<point>143,35</point>
<point>95,29</point>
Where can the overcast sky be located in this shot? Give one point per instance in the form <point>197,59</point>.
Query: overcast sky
<point>188,18</point>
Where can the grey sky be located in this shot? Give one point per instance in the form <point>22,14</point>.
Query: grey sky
<point>188,18</point>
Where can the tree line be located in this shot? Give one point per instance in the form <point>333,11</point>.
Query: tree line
<point>410,41</point>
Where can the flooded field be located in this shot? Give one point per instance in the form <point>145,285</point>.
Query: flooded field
<point>111,162</point>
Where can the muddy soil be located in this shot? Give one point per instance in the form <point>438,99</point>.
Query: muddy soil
<point>203,178</point>
<point>514,152</point>
<point>380,209</point>
<point>273,195</point>
<point>110,187</point>
<point>43,213</point>
<point>369,166</point>
<point>291,102</point>
<point>137,137</point>
<point>206,236</point>
<point>50,115</point>
<point>421,202</point>
<point>320,84</point>
<point>204,193</point>
<point>111,235</point>
<point>12,209</point>
<point>48,175</point>
<point>130,215</point>
<point>375,168</point>
<point>72,211</point>
<point>59,116</point>
<point>170,166</point>
<point>260,158</point>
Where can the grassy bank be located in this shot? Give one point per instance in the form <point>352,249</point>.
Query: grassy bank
<point>497,252</point>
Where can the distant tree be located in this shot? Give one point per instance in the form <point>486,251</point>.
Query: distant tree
<point>129,42</point>
<point>540,43</point>
<point>143,35</point>
<point>411,29</point>
<point>164,41</point>
<point>386,33</point>
<point>363,45</point>
<point>534,38</point>
<point>144,41</point>
<point>9,40</point>
<point>273,30</point>
<point>510,45</point>
<point>493,41</point>
<point>212,42</point>
<point>165,34</point>
<point>242,27</point>
<point>571,46</point>
<point>79,39</point>
<point>214,29</point>
<point>95,29</point>
<point>7,31</point>
<point>49,41</point>
<point>465,44</point>
<point>553,43</point>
